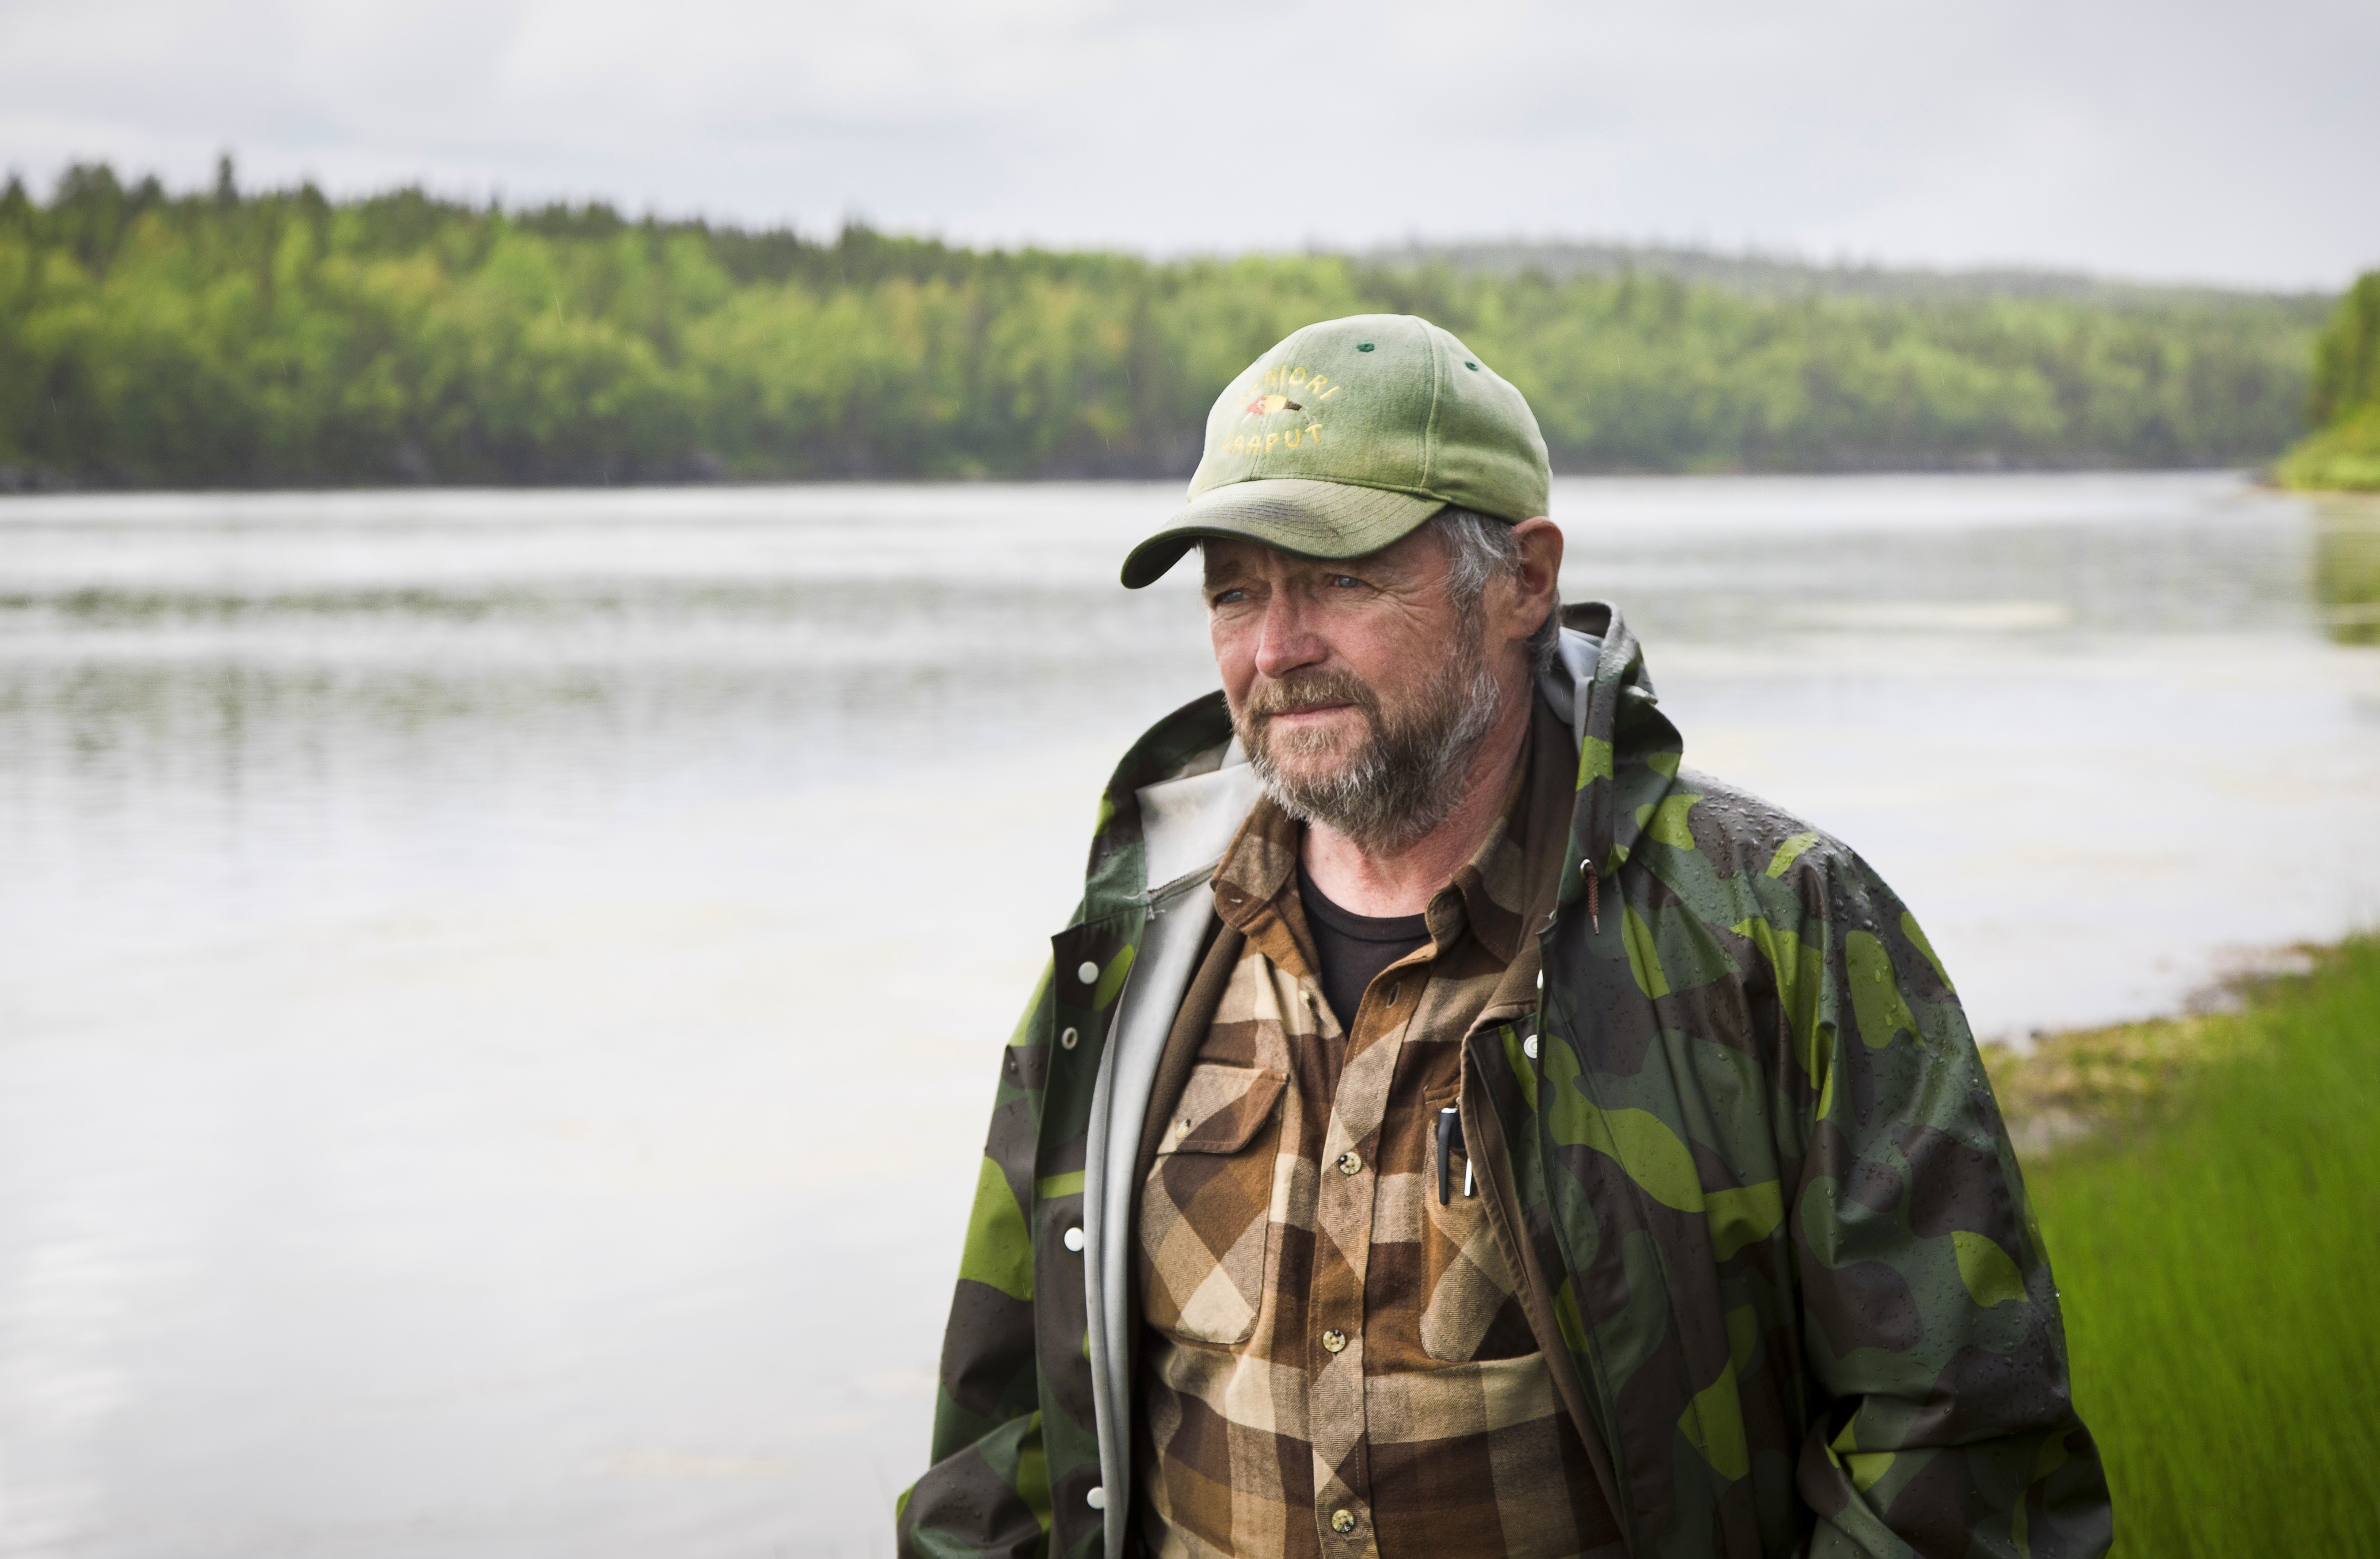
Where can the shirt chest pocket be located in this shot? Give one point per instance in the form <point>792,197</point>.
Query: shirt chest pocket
<point>1206,1231</point>
<point>1469,1311</point>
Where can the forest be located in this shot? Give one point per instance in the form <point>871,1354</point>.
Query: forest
<point>282,338</point>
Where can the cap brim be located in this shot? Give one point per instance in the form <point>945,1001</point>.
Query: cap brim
<point>1323,520</point>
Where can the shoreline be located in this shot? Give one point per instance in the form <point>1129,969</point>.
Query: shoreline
<point>2071,1088</point>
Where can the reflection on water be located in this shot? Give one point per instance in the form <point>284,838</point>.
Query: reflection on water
<point>503,988</point>
<point>2347,568</point>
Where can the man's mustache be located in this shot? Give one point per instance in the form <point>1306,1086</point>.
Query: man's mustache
<point>1310,692</point>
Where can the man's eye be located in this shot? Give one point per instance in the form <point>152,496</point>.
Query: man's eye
<point>1227,598</point>
<point>1345,581</point>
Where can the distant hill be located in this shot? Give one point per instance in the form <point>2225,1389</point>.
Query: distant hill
<point>230,338</point>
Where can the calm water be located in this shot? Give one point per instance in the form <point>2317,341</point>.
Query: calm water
<point>498,992</point>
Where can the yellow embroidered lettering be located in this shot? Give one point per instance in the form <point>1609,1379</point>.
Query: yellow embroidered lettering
<point>1271,439</point>
<point>1297,376</point>
<point>1291,442</point>
<point>1331,390</point>
<point>1314,432</point>
<point>1320,380</point>
<point>1236,444</point>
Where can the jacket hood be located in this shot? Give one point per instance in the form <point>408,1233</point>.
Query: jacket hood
<point>1628,752</point>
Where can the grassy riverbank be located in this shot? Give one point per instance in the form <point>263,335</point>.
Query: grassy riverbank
<point>2342,458</point>
<point>2216,1237</point>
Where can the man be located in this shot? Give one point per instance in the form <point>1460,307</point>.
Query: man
<point>1450,1127</point>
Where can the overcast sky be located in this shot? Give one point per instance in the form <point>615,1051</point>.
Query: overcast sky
<point>2165,139</point>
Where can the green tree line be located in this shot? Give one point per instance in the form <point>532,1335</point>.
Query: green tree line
<point>283,337</point>
<point>2344,404</point>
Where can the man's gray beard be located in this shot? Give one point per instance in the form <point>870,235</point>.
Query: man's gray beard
<point>1407,775</point>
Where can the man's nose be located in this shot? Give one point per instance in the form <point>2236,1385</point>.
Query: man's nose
<point>1284,643</point>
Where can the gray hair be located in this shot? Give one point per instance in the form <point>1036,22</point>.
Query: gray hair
<point>1479,548</point>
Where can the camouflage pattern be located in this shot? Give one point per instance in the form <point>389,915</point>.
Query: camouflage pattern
<point>1746,1143</point>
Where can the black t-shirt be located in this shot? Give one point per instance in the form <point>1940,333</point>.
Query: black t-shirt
<point>1352,948</point>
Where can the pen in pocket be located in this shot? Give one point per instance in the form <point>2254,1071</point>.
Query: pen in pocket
<point>1450,1140</point>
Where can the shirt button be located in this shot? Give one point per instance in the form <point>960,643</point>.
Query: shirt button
<point>1068,1039</point>
<point>1342,1522</point>
<point>1350,1162</point>
<point>1529,1047</point>
<point>1097,1499</point>
<point>1088,974</point>
<point>1334,1340</point>
<point>1075,1239</point>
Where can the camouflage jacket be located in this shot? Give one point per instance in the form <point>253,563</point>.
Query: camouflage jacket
<point>1743,1151</point>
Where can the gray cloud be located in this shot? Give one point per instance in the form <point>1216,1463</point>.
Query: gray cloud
<point>2189,141</point>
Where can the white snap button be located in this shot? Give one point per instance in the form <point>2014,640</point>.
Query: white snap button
<point>1075,1239</point>
<point>1529,1047</point>
<point>1097,1499</point>
<point>1068,1039</point>
<point>1088,974</point>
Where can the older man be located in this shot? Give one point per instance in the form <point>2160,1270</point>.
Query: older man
<point>1450,1127</point>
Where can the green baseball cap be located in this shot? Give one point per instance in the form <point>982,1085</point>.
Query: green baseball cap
<point>1348,435</point>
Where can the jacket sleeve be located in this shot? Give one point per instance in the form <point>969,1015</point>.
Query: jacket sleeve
<point>987,1493</point>
<point>1945,1424</point>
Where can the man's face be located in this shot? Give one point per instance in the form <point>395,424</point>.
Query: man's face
<point>1358,688</point>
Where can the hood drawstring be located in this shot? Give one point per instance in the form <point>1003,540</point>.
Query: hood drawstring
<point>1594,898</point>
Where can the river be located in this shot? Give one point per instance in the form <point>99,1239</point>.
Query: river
<point>499,992</point>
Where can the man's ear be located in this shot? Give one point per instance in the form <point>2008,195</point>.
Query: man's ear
<point>1534,583</point>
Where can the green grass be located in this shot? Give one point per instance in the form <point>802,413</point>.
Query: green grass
<point>2218,1246</point>
<point>2344,457</point>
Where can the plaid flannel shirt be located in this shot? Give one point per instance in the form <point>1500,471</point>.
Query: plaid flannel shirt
<point>1338,1362</point>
